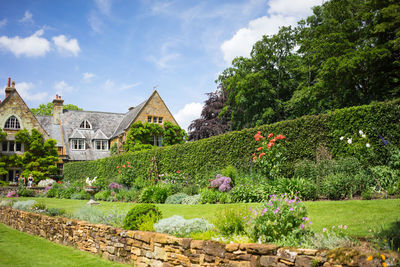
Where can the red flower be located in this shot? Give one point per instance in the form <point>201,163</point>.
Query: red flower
<point>269,145</point>
<point>280,136</point>
<point>123,166</point>
<point>118,167</point>
<point>258,136</point>
<point>261,154</point>
<point>129,162</point>
<point>270,135</point>
<point>177,171</point>
<point>258,149</point>
<point>119,172</point>
<point>59,182</point>
<point>254,158</point>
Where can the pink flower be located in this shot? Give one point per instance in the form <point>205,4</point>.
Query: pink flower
<point>302,226</point>
<point>261,154</point>
<point>270,135</point>
<point>258,149</point>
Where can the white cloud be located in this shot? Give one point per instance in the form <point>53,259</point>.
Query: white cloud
<point>87,76</point>
<point>280,13</point>
<point>3,23</point>
<point>166,57</point>
<point>65,46</point>
<point>110,86</point>
<point>189,113</point>
<point>95,22</point>
<point>104,6</point>
<point>31,46</point>
<point>62,87</point>
<point>28,17</point>
<point>25,90</point>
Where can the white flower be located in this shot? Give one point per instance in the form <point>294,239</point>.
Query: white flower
<point>349,140</point>
<point>341,138</point>
<point>363,136</point>
<point>367,145</point>
<point>360,132</point>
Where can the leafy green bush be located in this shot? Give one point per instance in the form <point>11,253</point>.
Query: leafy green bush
<point>305,189</point>
<point>191,190</point>
<point>282,216</point>
<point>192,200</point>
<point>250,192</point>
<point>55,211</point>
<point>332,238</point>
<point>178,226</point>
<point>82,194</point>
<point>304,136</point>
<point>176,198</point>
<point>231,221</point>
<point>139,214</point>
<point>212,196</point>
<point>230,171</point>
<point>127,195</point>
<point>103,195</point>
<point>155,194</point>
<point>25,192</point>
<point>384,176</point>
<point>94,215</point>
<point>388,238</point>
<point>338,186</point>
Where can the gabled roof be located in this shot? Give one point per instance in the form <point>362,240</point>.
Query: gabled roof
<point>77,134</point>
<point>99,135</point>
<point>129,117</point>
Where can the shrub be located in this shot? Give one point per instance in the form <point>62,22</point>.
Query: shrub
<point>231,221</point>
<point>114,186</point>
<point>281,216</point>
<point>39,207</point>
<point>338,186</point>
<point>55,211</point>
<point>24,205</point>
<point>384,176</point>
<point>250,192</point>
<point>230,171</point>
<point>388,238</point>
<point>7,203</point>
<point>92,214</point>
<point>139,214</point>
<point>191,190</point>
<point>192,200</point>
<point>80,195</point>
<point>178,226</point>
<point>304,136</point>
<point>212,196</point>
<point>103,195</point>
<point>176,198</point>
<point>155,194</point>
<point>332,238</point>
<point>305,189</point>
<point>127,195</point>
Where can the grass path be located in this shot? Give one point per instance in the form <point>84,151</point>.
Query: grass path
<point>18,249</point>
<point>359,215</point>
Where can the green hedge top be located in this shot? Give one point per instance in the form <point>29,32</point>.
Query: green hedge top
<point>304,136</point>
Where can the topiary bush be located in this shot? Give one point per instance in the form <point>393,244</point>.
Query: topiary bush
<point>140,214</point>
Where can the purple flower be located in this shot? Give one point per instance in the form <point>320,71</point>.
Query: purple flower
<point>264,211</point>
<point>345,227</point>
<point>115,186</point>
<point>310,222</point>
<point>291,209</point>
<point>302,226</point>
<point>222,183</point>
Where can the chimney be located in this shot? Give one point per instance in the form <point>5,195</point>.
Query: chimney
<point>10,88</point>
<point>57,109</point>
<point>130,108</point>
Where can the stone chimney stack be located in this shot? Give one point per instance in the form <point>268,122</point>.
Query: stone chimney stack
<point>57,109</point>
<point>10,88</point>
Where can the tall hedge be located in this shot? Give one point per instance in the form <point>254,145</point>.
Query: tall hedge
<point>304,136</point>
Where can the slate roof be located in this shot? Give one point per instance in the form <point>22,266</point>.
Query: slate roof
<point>53,130</point>
<point>129,117</point>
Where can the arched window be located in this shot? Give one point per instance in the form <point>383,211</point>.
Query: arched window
<point>12,123</point>
<point>85,125</point>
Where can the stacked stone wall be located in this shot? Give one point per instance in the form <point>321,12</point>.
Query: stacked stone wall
<point>156,249</point>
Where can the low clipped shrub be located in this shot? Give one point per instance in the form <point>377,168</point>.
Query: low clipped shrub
<point>92,214</point>
<point>176,198</point>
<point>140,214</point>
<point>25,192</point>
<point>281,217</point>
<point>178,226</point>
<point>24,205</point>
<point>192,200</point>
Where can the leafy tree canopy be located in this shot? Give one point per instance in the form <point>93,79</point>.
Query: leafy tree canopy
<point>40,156</point>
<point>47,109</point>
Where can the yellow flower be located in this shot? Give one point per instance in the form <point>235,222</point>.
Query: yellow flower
<point>383,257</point>
<point>384,264</point>
<point>369,258</point>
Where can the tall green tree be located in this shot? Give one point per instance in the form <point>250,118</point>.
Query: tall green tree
<point>47,109</point>
<point>40,156</point>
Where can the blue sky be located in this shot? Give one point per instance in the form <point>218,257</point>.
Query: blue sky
<point>108,55</point>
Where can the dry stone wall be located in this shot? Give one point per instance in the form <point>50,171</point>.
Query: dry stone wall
<point>155,249</point>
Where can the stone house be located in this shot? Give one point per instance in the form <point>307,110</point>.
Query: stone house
<point>80,135</point>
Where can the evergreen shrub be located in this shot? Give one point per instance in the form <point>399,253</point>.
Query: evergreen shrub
<point>140,214</point>
<point>304,136</point>
<point>178,226</point>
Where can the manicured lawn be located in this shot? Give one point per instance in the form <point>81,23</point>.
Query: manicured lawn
<point>20,249</point>
<point>359,215</point>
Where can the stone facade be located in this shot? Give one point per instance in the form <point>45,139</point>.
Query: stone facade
<point>155,249</point>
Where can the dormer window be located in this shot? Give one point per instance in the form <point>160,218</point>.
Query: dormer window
<point>101,144</point>
<point>12,123</point>
<point>77,144</point>
<point>85,125</point>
